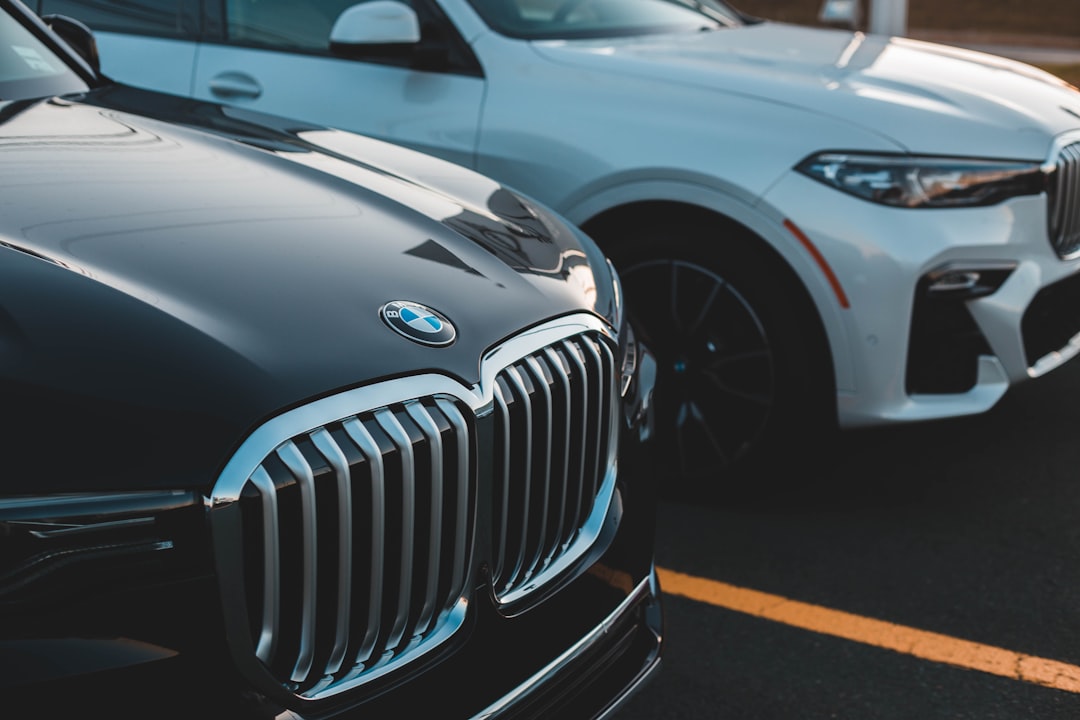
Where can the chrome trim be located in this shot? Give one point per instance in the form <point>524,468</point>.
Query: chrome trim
<point>457,580</point>
<point>56,530</point>
<point>563,379</point>
<point>580,367</point>
<point>80,504</point>
<point>952,282</point>
<point>408,519</point>
<point>306,480</point>
<point>643,590</point>
<point>543,552</point>
<point>504,512</point>
<point>336,457</point>
<point>1063,205</point>
<point>545,477</point>
<point>599,403</point>
<point>964,279</point>
<point>1055,359</point>
<point>426,423</point>
<point>303,452</point>
<point>265,439</point>
<point>519,563</point>
<point>267,645</point>
<point>359,435</point>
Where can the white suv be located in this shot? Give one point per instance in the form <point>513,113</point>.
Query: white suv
<point>814,226</point>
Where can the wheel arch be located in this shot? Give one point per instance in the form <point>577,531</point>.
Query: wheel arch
<point>773,245</point>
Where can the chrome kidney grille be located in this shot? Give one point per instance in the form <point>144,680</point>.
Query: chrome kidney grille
<point>344,529</point>
<point>1064,215</point>
<point>554,429</point>
<point>327,598</point>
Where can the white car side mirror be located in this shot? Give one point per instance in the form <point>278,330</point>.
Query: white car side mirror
<point>378,22</point>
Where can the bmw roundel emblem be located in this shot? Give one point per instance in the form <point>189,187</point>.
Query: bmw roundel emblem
<point>419,323</point>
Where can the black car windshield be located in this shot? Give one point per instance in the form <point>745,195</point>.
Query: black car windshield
<point>28,67</point>
<point>566,19</point>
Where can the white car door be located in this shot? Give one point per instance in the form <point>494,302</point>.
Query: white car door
<point>274,56</point>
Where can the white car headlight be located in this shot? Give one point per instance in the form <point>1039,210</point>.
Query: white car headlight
<point>913,181</point>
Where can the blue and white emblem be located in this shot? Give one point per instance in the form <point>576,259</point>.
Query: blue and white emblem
<point>419,323</point>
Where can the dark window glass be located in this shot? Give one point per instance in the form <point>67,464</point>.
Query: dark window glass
<point>142,17</point>
<point>284,24</point>
<point>554,19</point>
<point>28,68</point>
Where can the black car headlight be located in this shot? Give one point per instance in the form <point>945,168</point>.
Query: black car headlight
<point>637,367</point>
<point>628,361</point>
<point>912,181</point>
<point>628,347</point>
<point>59,546</point>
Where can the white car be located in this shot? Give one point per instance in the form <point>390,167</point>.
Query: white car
<point>815,227</point>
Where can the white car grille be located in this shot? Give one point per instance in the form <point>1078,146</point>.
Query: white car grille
<point>1064,216</point>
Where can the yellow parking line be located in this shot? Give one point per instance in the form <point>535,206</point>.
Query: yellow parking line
<point>910,641</point>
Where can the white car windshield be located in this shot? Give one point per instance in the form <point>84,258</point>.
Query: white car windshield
<point>566,19</point>
<point>29,68</point>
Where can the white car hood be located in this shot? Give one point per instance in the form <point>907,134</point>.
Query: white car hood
<point>927,98</point>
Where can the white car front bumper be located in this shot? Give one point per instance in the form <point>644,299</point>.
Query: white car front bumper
<point>904,352</point>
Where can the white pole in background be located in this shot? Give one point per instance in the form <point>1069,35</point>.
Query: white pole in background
<point>888,17</point>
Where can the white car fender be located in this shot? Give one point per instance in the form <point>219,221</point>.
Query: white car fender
<point>758,216</point>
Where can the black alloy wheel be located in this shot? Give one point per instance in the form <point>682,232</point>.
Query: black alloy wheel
<point>745,400</point>
<point>716,386</point>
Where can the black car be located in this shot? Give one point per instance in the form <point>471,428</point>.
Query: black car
<point>301,424</point>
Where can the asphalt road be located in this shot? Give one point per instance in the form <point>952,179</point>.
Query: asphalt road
<point>966,528</point>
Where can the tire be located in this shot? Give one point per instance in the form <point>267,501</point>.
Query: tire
<point>745,392</point>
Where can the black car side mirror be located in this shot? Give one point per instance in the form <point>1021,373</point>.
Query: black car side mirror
<point>77,35</point>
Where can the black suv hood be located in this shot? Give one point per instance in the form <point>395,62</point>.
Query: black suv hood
<point>173,272</point>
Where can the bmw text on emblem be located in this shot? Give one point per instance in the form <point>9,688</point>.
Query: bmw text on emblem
<point>419,322</point>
